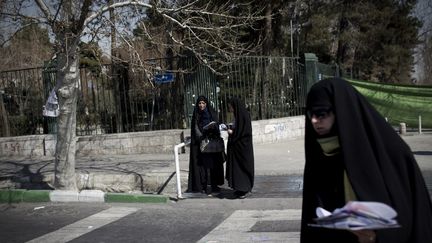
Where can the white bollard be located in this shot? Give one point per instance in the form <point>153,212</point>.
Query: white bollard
<point>402,128</point>
<point>177,166</point>
<point>420,125</point>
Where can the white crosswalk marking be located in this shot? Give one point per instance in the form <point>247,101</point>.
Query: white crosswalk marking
<point>86,225</point>
<point>237,227</point>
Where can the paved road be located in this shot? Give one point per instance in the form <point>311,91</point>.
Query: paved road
<point>270,214</point>
<point>189,220</point>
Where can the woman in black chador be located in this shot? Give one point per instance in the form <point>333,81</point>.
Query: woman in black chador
<point>240,157</point>
<point>204,168</point>
<point>353,154</point>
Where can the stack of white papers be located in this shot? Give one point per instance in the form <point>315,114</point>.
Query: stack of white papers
<point>357,216</point>
<point>210,125</point>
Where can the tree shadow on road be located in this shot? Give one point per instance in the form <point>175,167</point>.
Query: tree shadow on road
<point>25,178</point>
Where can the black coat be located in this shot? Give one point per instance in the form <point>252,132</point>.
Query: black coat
<point>378,163</point>
<point>199,163</point>
<point>240,156</point>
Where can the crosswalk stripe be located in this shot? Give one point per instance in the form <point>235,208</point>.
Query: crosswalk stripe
<point>85,225</point>
<point>237,227</point>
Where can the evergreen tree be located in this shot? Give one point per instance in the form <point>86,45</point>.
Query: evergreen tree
<point>90,56</point>
<point>374,38</point>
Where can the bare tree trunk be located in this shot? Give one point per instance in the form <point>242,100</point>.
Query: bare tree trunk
<point>5,122</point>
<point>68,75</point>
<point>266,51</point>
<point>341,43</point>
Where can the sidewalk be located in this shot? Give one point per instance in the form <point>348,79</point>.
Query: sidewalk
<point>139,176</point>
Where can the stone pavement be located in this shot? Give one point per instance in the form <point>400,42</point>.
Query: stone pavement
<point>155,173</point>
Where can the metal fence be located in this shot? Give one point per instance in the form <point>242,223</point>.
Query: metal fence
<point>120,98</point>
<point>271,87</point>
<point>21,101</point>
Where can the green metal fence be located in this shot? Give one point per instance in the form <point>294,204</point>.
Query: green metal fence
<point>121,98</point>
<point>21,102</point>
<point>271,87</point>
<point>198,80</point>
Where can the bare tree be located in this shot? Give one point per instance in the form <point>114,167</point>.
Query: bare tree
<point>204,28</point>
<point>28,48</point>
<point>424,49</point>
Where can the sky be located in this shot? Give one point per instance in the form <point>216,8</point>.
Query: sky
<point>424,13</point>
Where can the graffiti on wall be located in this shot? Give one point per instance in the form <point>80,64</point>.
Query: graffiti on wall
<point>280,130</point>
<point>13,147</point>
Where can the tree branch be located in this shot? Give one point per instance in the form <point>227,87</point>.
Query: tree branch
<point>45,10</point>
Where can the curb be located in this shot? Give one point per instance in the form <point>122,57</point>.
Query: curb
<point>22,195</point>
<point>134,198</point>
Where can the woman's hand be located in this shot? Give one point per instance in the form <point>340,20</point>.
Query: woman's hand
<point>365,236</point>
<point>230,131</point>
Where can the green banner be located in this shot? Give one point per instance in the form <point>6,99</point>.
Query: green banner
<point>399,103</point>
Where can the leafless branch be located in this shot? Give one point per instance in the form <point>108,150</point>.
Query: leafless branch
<point>13,35</point>
<point>45,10</point>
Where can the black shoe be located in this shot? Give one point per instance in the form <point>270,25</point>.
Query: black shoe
<point>241,195</point>
<point>208,191</point>
<point>215,189</point>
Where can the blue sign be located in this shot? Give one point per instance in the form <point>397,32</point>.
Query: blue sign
<point>164,78</point>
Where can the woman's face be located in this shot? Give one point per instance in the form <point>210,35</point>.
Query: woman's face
<point>202,105</point>
<point>322,121</point>
<point>230,108</point>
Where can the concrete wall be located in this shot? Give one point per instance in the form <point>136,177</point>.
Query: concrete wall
<point>108,144</point>
<point>265,131</point>
<point>273,130</point>
<point>27,146</point>
<point>129,143</point>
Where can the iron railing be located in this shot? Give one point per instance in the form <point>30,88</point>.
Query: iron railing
<point>121,98</point>
<point>271,87</point>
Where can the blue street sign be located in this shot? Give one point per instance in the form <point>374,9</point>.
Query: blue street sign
<point>164,78</point>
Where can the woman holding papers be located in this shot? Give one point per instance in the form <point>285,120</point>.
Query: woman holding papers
<point>353,154</point>
<point>204,168</point>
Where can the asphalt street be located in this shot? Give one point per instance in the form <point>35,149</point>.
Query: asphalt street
<point>270,214</point>
<point>182,221</point>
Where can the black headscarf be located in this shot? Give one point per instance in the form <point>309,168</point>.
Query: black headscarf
<point>378,163</point>
<point>243,124</point>
<point>202,118</point>
<point>240,157</point>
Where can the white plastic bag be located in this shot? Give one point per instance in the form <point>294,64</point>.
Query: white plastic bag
<point>51,107</point>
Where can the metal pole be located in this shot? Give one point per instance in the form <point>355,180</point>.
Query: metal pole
<point>177,165</point>
<point>292,45</point>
